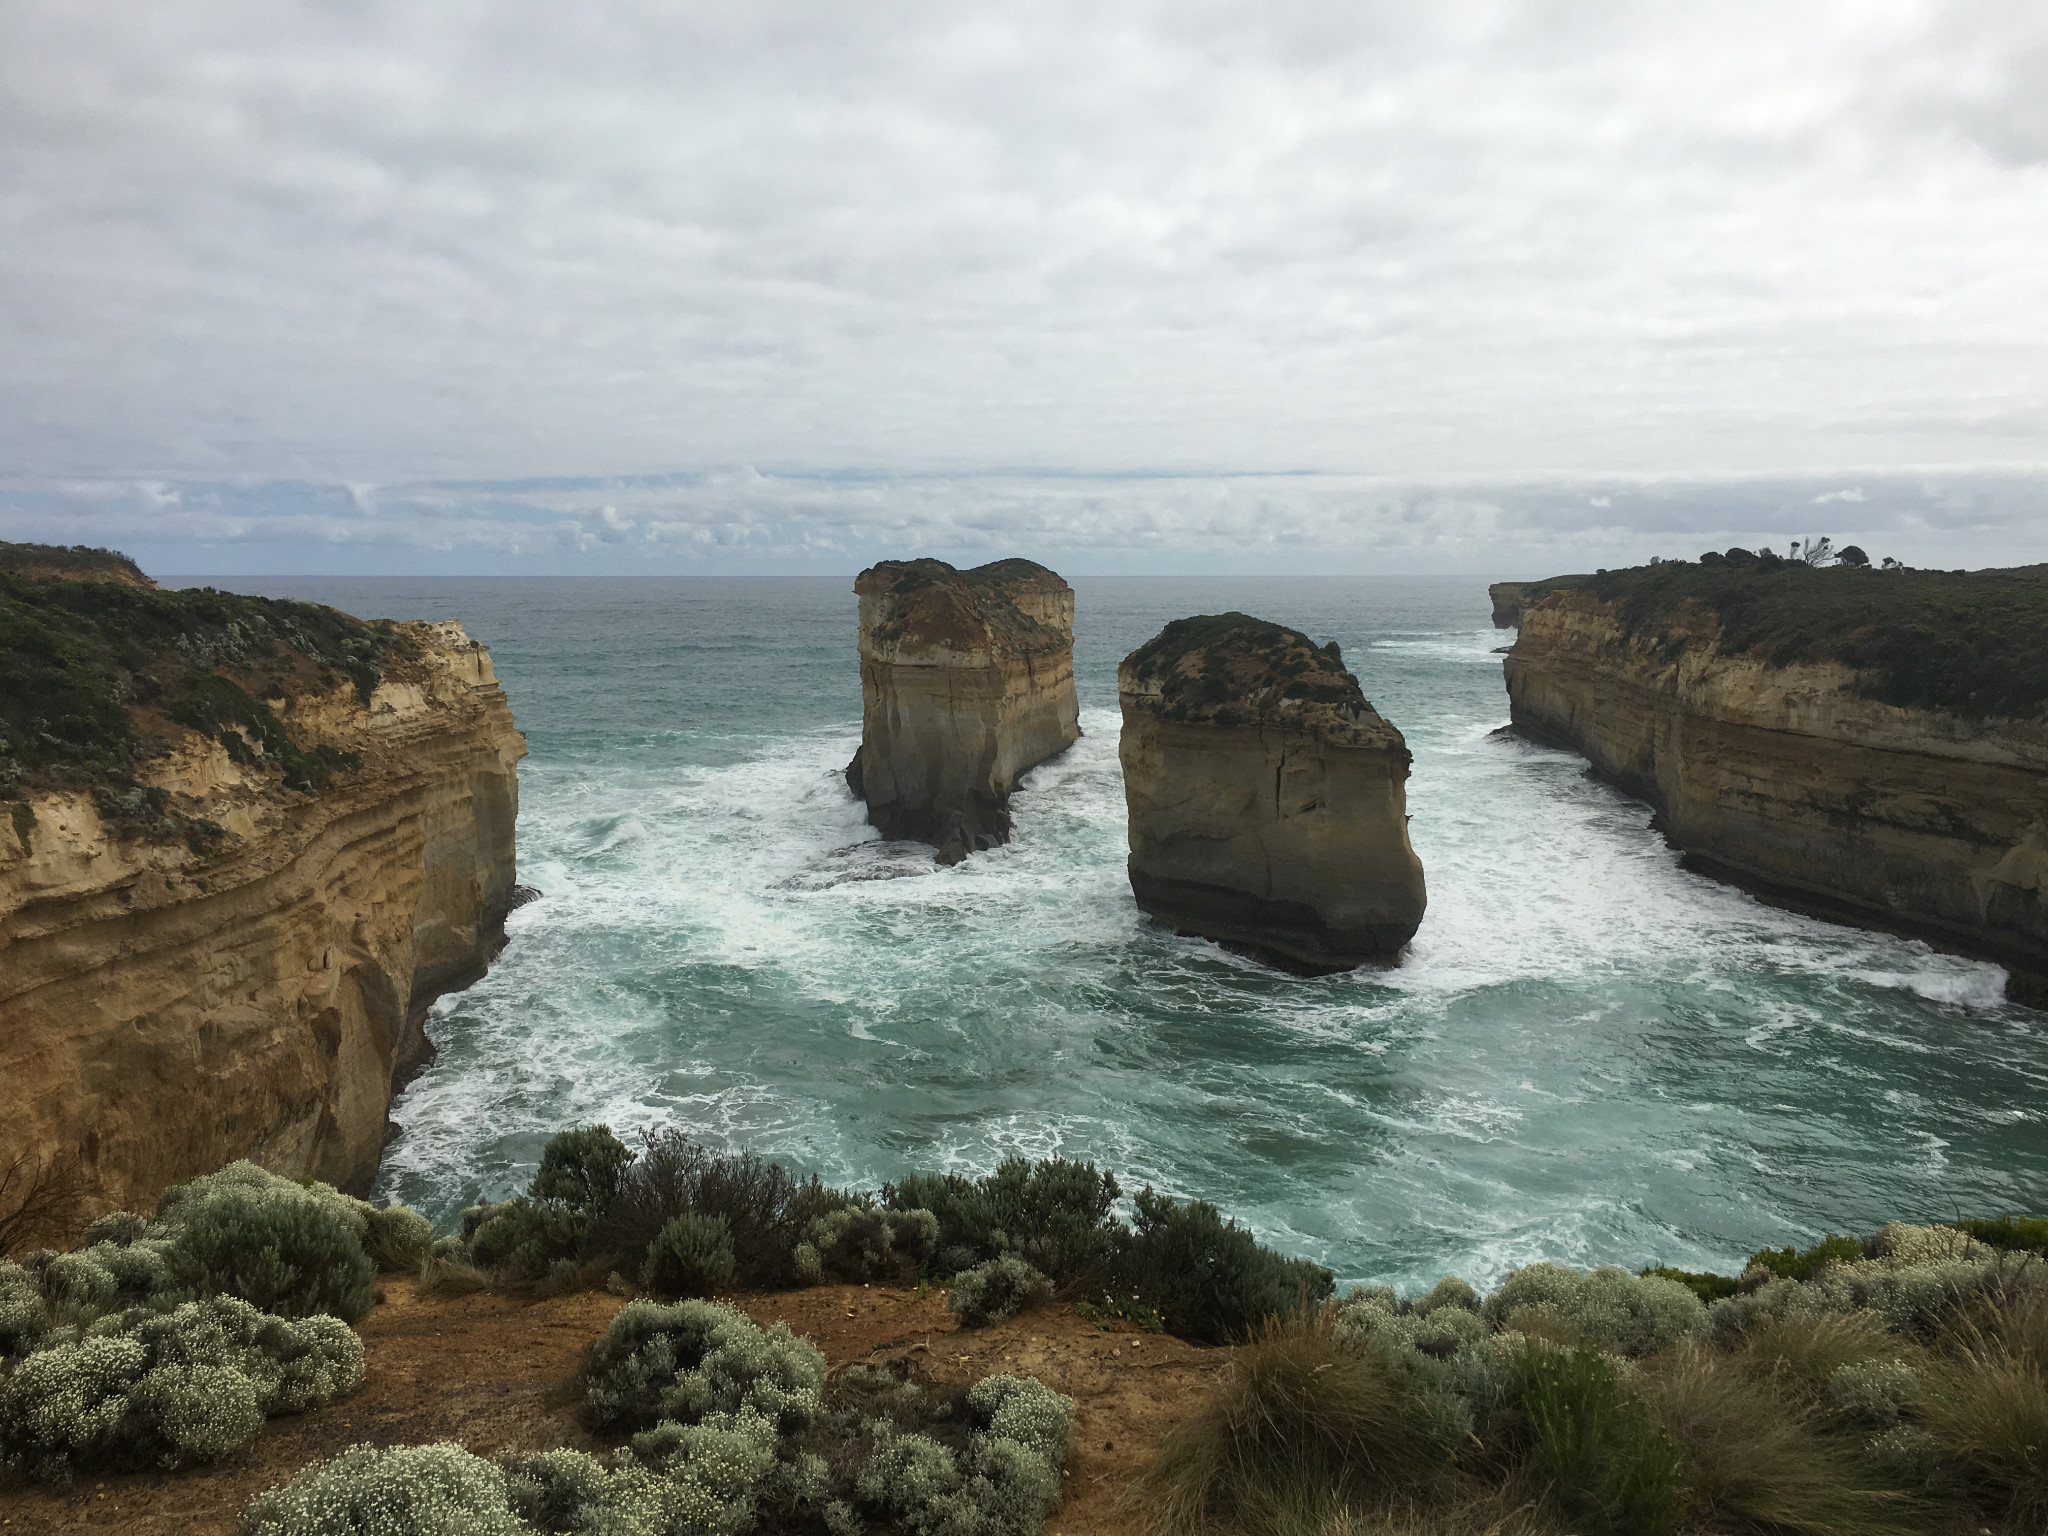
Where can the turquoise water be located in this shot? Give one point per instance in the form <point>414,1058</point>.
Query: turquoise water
<point>1587,1055</point>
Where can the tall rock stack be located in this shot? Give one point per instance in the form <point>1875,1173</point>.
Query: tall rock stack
<point>967,682</point>
<point>1267,799</point>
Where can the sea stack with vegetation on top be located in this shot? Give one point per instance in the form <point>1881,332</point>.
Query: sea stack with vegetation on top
<point>1267,798</point>
<point>967,683</point>
<point>1868,745</point>
<point>249,842</point>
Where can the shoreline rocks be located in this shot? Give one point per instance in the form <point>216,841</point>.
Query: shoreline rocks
<point>1267,798</point>
<point>967,683</point>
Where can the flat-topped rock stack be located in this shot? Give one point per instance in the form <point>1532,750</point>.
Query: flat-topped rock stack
<point>967,683</point>
<point>1267,798</point>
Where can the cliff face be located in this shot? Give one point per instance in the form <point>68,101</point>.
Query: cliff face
<point>1790,778</point>
<point>258,987</point>
<point>967,682</point>
<point>1267,798</point>
<point>1510,598</point>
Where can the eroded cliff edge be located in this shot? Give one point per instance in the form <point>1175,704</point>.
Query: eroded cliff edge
<point>1267,798</point>
<point>967,683</point>
<point>1868,746</point>
<point>233,886</point>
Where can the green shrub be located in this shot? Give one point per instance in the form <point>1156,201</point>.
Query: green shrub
<point>289,1249</point>
<point>996,1291</point>
<point>1798,1264</point>
<point>2019,1234</point>
<point>581,1169</point>
<point>860,1245</point>
<point>1608,1464</point>
<point>699,1357</point>
<point>1054,1214</point>
<point>1440,1351</point>
<point>692,1256</point>
<point>398,1239</point>
<point>158,1389</point>
<point>1709,1287</point>
<point>1007,1482</point>
<point>1610,1308</point>
<point>523,1238</point>
<point>407,1490</point>
<point>766,1209</point>
<point>1208,1277</point>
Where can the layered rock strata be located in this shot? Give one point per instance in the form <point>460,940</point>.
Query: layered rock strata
<point>1267,798</point>
<point>967,682</point>
<point>257,987</point>
<point>1796,779</point>
<point>1511,597</point>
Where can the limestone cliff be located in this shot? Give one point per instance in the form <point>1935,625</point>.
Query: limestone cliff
<point>1267,798</point>
<point>1866,746</point>
<point>1510,598</point>
<point>219,932</point>
<point>967,682</point>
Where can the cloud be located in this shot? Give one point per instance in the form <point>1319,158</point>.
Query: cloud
<point>1853,494</point>
<point>454,250</point>
<point>743,519</point>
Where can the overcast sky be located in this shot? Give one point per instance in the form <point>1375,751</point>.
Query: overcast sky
<point>1488,287</point>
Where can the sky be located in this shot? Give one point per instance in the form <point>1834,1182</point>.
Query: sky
<point>696,289</point>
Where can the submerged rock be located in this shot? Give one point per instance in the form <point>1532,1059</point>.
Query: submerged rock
<point>967,682</point>
<point>1267,798</point>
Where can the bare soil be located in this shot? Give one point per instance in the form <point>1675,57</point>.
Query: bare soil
<point>499,1374</point>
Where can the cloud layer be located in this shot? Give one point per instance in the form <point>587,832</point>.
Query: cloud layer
<point>364,274</point>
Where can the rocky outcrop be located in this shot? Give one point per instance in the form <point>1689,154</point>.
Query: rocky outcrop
<point>1510,598</point>
<point>967,682</point>
<point>257,985</point>
<point>1780,764</point>
<point>1267,798</point>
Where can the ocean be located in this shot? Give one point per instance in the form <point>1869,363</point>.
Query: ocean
<point>1587,1055</point>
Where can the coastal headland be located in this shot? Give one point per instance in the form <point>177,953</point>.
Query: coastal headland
<point>250,842</point>
<point>1866,745</point>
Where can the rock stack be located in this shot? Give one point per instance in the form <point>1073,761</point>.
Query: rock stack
<point>967,682</point>
<point>1266,796</point>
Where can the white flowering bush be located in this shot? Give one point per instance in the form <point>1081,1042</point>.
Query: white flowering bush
<point>1006,1483</point>
<point>162,1389</point>
<point>407,1490</point>
<point>996,1291</point>
<point>1909,1297</point>
<point>1609,1308</point>
<point>697,1358</point>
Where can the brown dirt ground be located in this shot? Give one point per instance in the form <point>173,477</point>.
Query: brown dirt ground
<point>499,1374</point>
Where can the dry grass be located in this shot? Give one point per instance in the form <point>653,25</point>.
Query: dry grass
<point>444,1279</point>
<point>1758,1455</point>
<point>43,1203</point>
<point>1302,1434</point>
<point>1987,1405</point>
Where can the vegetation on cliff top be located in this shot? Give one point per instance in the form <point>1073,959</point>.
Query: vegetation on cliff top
<point>941,603</point>
<point>1232,669</point>
<point>1971,642</point>
<point>90,670</point>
